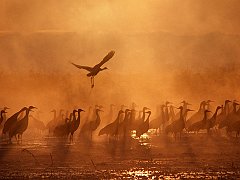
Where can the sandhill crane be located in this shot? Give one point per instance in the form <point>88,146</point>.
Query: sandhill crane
<point>52,123</point>
<point>20,126</point>
<point>1,116</point>
<point>139,121</point>
<point>198,116</point>
<point>159,121</point>
<point>208,105</point>
<point>112,128</point>
<point>12,120</point>
<point>178,125</point>
<point>231,117</point>
<point>185,105</point>
<point>144,127</point>
<point>91,126</point>
<point>63,130</point>
<point>4,115</point>
<point>75,123</point>
<point>223,114</point>
<point>166,112</point>
<point>212,121</point>
<point>36,124</point>
<point>93,71</point>
<point>195,127</point>
<point>172,116</point>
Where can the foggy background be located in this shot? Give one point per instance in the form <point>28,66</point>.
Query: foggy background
<point>165,50</point>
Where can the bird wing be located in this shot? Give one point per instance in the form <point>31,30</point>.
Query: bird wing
<point>106,58</point>
<point>82,67</point>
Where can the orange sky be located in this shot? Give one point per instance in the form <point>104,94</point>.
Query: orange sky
<point>175,16</point>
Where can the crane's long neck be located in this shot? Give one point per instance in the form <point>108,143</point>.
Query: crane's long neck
<point>201,106</point>
<point>97,114</point>
<point>1,118</point>
<point>225,108</point>
<point>119,114</point>
<point>215,114</point>
<point>205,117</point>
<point>149,113</point>
<point>182,116</point>
<point>144,114</point>
<point>78,119</point>
<point>234,108</point>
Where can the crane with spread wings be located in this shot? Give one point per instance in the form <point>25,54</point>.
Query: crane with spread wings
<point>93,71</point>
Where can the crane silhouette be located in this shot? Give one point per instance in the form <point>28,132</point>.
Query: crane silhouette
<point>178,125</point>
<point>11,121</point>
<point>144,127</point>
<point>2,117</point>
<point>221,117</point>
<point>212,121</point>
<point>91,126</point>
<point>93,71</point>
<point>112,128</point>
<point>198,116</point>
<point>195,127</point>
<point>63,130</point>
<point>231,117</point>
<point>20,126</point>
<point>75,123</point>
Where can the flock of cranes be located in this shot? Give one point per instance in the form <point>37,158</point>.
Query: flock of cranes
<point>168,120</point>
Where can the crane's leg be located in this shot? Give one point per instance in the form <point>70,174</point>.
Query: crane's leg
<point>92,81</point>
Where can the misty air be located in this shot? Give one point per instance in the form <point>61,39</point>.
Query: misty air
<point>119,89</point>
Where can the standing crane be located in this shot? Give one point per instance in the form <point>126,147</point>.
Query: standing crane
<point>1,116</point>
<point>75,123</point>
<point>198,116</point>
<point>20,126</point>
<point>112,128</point>
<point>91,126</point>
<point>178,125</point>
<point>12,120</point>
<point>93,71</point>
<point>144,127</point>
<point>195,127</point>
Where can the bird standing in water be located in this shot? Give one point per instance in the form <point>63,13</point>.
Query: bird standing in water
<point>93,71</point>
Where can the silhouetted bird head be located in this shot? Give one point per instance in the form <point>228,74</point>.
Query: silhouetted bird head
<point>3,111</point>
<point>209,101</point>
<point>227,101</point>
<point>80,110</point>
<point>180,107</point>
<point>5,108</point>
<point>31,107</point>
<point>146,108</point>
<point>126,110</point>
<point>99,110</point>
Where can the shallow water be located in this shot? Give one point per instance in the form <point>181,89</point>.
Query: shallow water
<point>192,157</point>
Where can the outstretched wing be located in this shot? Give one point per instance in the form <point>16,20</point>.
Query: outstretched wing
<point>82,67</point>
<point>106,58</point>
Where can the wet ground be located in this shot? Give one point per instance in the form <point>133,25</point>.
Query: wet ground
<point>192,157</point>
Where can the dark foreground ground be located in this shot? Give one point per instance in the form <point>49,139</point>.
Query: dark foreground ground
<point>194,156</point>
